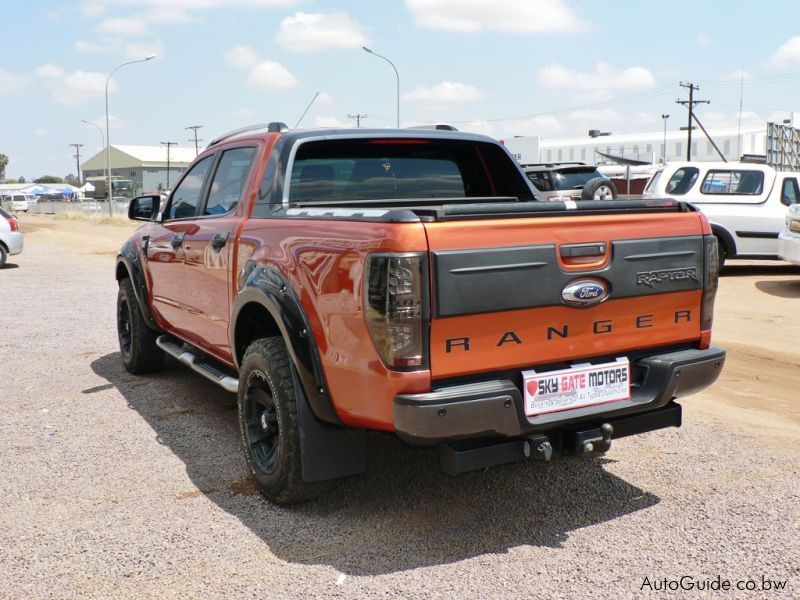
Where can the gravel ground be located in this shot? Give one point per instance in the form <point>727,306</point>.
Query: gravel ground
<point>121,486</point>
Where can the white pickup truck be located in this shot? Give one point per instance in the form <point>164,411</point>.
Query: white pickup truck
<point>745,202</point>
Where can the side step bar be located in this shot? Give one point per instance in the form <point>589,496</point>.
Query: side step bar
<point>188,356</point>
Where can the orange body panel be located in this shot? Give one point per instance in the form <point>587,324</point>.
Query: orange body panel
<point>324,262</point>
<point>524,338</point>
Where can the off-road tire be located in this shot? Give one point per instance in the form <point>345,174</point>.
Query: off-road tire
<point>3,256</point>
<point>599,188</point>
<point>268,424</point>
<point>137,342</point>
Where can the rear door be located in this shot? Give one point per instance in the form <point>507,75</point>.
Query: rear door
<point>501,289</point>
<point>208,252</point>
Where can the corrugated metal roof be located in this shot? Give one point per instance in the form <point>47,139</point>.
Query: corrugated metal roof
<point>158,154</point>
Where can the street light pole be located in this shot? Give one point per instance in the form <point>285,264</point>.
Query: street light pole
<point>396,74</point>
<point>108,135</point>
<point>664,149</point>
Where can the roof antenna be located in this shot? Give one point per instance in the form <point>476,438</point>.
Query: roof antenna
<point>306,110</point>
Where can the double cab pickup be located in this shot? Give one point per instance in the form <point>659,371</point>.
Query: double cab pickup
<point>411,282</point>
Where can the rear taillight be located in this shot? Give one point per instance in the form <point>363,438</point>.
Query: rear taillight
<point>12,222</point>
<point>710,282</point>
<point>396,308</point>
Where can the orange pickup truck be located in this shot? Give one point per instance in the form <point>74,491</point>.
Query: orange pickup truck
<point>410,281</point>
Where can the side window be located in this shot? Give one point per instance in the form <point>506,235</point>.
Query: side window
<point>186,197</point>
<point>750,183</point>
<point>790,193</point>
<point>682,181</point>
<point>229,180</point>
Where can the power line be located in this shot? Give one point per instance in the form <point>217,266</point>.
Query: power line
<point>690,104</point>
<point>196,140</point>
<point>357,118</point>
<point>78,160</point>
<point>168,145</point>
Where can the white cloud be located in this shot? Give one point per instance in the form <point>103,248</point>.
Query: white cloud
<point>40,132</point>
<point>482,127</point>
<point>447,92</point>
<point>324,100</point>
<point>243,112</point>
<point>94,48</point>
<point>714,119</point>
<point>123,26</point>
<point>530,16</point>
<point>704,40</point>
<point>137,50</point>
<point>11,84</point>
<point>313,32</point>
<point>79,86</point>
<point>271,76</point>
<point>241,57</point>
<point>604,77</point>
<point>786,56</point>
<point>599,117</point>
<point>541,125</point>
<point>329,121</point>
<point>265,75</point>
<point>49,71</point>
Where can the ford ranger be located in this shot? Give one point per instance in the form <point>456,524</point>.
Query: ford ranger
<point>346,281</point>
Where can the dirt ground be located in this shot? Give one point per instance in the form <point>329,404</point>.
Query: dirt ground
<point>123,486</point>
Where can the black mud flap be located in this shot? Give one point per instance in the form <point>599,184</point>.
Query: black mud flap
<point>327,451</point>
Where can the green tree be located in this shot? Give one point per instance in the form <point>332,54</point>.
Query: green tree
<point>3,165</point>
<point>48,179</point>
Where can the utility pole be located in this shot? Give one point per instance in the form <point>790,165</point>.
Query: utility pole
<point>78,160</point>
<point>357,118</point>
<point>690,104</point>
<point>168,145</point>
<point>196,147</point>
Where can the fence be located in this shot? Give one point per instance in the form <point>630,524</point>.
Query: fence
<point>90,207</point>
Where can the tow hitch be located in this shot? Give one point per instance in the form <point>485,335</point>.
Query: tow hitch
<point>593,440</point>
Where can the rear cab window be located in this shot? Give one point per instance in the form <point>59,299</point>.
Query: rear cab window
<point>790,193</point>
<point>402,169</point>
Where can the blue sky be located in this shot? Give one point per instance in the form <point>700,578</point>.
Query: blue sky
<point>554,68</point>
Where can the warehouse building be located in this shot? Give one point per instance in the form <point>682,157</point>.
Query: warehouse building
<point>147,167</point>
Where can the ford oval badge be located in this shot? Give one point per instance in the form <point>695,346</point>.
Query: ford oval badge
<point>584,292</point>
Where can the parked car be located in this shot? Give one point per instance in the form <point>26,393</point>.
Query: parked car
<point>11,238</point>
<point>410,281</point>
<point>789,238</point>
<point>745,202</point>
<point>576,181</point>
<point>19,202</point>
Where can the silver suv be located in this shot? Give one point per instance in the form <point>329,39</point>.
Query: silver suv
<point>574,180</point>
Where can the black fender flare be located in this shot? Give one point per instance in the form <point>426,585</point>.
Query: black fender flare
<point>129,257</point>
<point>726,237</point>
<point>269,288</point>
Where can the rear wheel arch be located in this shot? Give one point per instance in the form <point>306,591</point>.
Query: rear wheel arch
<point>725,239</point>
<point>267,294</point>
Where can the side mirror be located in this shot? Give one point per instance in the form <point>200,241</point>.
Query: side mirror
<point>144,208</point>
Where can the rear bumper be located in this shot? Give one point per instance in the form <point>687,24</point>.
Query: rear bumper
<point>789,247</point>
<point>495,408</point>
<point>14,241</point>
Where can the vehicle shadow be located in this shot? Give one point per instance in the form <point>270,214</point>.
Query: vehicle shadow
<point>401,514</point>
<point>775,268</point>
<point>9,266</point>
<point>781,289</point>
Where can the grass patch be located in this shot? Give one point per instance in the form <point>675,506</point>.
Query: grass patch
<point>99,217</point>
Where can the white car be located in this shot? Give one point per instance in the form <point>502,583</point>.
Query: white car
<point>789,238</point>
<point>11,239</point>
<point>745,202</point>
<point>19,202</point>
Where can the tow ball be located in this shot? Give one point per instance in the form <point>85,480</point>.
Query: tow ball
<point>589,441</point>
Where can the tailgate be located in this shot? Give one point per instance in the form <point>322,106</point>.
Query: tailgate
<point>515,293</point>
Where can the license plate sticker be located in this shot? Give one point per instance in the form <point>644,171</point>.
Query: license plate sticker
<point>578,386</point>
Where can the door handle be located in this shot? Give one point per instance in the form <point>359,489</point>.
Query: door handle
<point>219,240</point>
<point>178,240</point>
